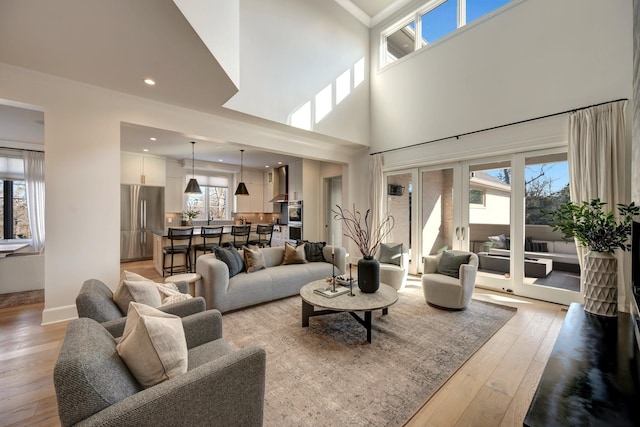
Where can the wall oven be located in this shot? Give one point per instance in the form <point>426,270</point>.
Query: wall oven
<point>294,211</point>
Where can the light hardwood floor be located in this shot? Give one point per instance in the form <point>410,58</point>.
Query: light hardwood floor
<point>494,387</point>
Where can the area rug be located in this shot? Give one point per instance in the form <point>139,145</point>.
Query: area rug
<point>329,375</point>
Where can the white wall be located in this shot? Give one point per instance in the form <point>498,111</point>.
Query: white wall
<point>537,57</point>
<point>289,51</point>
<point>82,143</point>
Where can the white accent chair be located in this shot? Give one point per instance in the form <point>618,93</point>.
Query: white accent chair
<point>445,291</point>
<point>390,273</point>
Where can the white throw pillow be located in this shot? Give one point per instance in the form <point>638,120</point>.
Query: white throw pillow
<point>145,292</point>
<point>153,345</point>
<point>169,293</point>
<point>135,277</point>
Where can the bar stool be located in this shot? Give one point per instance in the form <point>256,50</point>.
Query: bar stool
<point>240,235</point>
<point>264,232</point>
<point>213,235</point>
<point>178,235</point>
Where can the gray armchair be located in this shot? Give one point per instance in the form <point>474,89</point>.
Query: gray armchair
<point>446,291</point>
<point>95,301</point>
<point>222,386</point>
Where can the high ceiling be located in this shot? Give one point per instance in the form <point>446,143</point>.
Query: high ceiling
<point>116,44</point>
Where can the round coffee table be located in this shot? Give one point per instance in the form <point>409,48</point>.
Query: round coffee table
<point>380,300</point>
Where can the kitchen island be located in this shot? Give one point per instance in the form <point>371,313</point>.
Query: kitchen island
<point>160,240</point>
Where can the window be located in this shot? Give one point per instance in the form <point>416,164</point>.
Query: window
<point>476,197</point>
<point>13,199</point>
<point>434,20</point>
<point>213,203</point>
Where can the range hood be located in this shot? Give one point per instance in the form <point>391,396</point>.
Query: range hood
<point>281,176</point>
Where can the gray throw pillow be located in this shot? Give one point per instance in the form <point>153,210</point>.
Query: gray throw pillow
<point>313,250</point>
<point>391,254</point>
<point>232,258</point>
<point>450,263</point>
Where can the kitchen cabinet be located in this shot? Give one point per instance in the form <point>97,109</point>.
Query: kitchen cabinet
<point>142,169</point>
<point>271,187</point>
<point>295,180</point>
<point>174,188</point>
<point>254,202</point>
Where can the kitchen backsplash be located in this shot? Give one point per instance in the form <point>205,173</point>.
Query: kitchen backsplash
<point>172,219</point>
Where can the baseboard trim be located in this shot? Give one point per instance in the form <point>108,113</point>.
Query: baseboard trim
<point>59,314</point>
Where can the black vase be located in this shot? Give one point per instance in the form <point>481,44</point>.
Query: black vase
<point>368,274</point>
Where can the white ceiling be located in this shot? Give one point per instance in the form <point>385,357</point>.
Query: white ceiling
<point>116,44</point>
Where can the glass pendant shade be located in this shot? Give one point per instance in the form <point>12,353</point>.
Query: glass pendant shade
<point>242,189</point>
<point>192,185</point>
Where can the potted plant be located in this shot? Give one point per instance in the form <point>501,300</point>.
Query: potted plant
<point>189,214</point>
<point>367,236</point>
<point>601,233</point>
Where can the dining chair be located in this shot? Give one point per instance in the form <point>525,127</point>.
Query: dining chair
<point>211,239</point>
<point>264,232</point>
<point>240,235</point>
<point>184,236</point>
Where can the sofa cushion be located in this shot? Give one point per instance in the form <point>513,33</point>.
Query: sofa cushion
<point>450,263</point>
<point>232,258</point>
<point>144,292</point>
<point>499,241</point>
<point>293,254</point>
<point>313,250</point>
<point>153,345</point>
<point>391,254</point>
<point>253,259</point>
<point>129,275</point>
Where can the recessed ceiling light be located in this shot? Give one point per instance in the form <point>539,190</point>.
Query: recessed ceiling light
<point>153,139</point>
<point>266,166</point>
<point>220,160</point>
<point>150,82</point>
<point>145,150</point>
<point>279,163</point>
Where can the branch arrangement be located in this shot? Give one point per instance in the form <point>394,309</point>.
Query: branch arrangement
<point>361,230</point>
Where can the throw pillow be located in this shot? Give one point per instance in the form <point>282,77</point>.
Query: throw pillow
<point>232,258</point>
<point>528,244</point>
<point>391,254</point>
<point>144,292</point>
<point>499,242</point>
<point>450,263</point>
<point>153,345</point>
<point>313,250</point>
<point>293,254</point>
<point>129,275</point>
<point>253,259</point>
<point>169,293</point>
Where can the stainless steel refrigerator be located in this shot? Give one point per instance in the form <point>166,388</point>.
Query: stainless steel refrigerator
<point>141,212</point>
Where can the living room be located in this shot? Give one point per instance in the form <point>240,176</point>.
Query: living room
<point>532,59</point>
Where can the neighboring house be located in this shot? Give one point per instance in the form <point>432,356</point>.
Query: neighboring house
<point>489,200</point>
<point>273,58</point>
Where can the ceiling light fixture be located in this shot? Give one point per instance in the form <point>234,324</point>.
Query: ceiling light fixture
<point>150,82</point>
<point>242,189</point>
<point>192,186</point>
<point>152,139</point>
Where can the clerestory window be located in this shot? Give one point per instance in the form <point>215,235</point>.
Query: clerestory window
<point>433,21</point>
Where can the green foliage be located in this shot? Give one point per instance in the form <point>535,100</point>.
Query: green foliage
<point>593,227</point>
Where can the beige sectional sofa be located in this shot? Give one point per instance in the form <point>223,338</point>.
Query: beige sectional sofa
<point>274,282</point>
<point>563,252</point>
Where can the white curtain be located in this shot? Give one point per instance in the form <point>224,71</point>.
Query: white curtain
<point>597,138</point>
<point>34,179</point>
<point>376,193</point>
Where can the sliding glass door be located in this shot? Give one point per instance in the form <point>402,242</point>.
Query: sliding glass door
<point>489,206</point>
<point>400,204</point>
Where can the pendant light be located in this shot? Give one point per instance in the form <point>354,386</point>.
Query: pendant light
<point>242,189</point>
<point>192,186</point>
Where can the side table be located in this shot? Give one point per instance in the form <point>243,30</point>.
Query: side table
<point>190,278</point>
